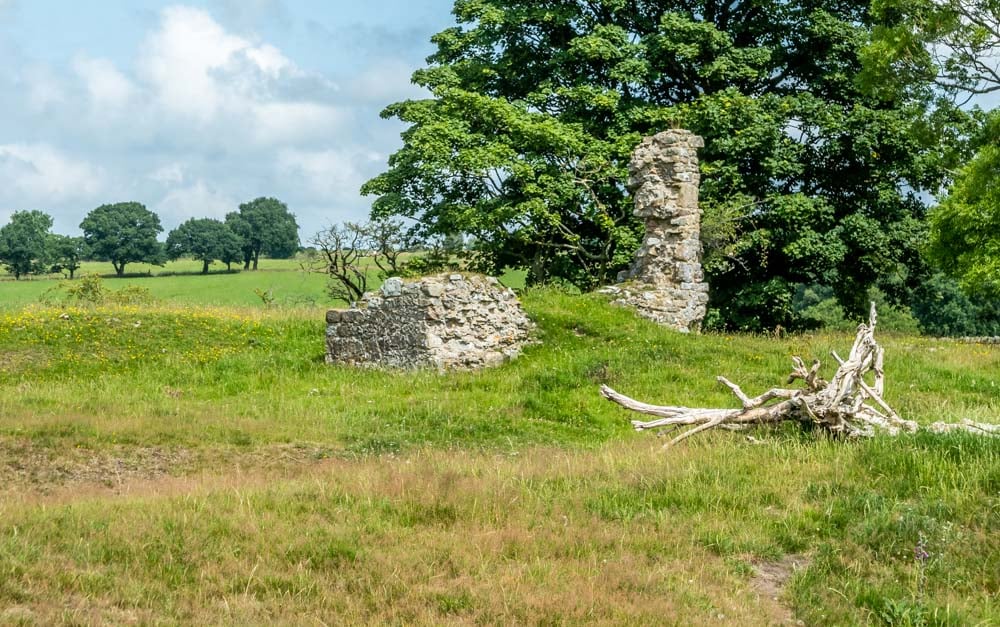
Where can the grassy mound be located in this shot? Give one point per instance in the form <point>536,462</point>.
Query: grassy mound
<point>204,465</point>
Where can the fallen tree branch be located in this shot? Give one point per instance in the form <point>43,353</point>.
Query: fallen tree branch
<point>845,406</point>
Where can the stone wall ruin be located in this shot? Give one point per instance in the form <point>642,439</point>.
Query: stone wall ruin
<point>665,282</point>
<point>450,321</point>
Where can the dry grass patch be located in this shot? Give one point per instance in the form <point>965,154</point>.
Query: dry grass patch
<point>430,538</point>
<point>28,468</point>
<point>620,534</point>
<point>12,360</point>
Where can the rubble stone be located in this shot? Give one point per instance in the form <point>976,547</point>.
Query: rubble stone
<point>449,321</point>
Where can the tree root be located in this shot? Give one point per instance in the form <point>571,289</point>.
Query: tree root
<point>847,405</point>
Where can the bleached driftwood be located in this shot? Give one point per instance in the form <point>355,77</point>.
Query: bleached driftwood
<point>847,405</point>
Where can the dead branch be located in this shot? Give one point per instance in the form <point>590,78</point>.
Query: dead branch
<point>845,406</point>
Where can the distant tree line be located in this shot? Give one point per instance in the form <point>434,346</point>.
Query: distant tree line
<point>126,232</point>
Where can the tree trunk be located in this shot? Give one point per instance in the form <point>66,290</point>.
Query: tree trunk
<point>119,269</point>
<point>204,267</point>
<point>536,273</point>
<point>256,257</point>
<point>847,405</point>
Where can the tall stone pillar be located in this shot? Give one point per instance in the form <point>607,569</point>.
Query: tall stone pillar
<point>665,282</point>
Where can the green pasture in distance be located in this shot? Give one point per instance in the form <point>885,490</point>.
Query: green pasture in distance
<point>173,283</point>
<point>185,266</point>
<point>181,282</point>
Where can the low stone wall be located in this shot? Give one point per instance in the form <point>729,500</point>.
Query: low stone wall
<point>981,340</point>
<point>450,321</point>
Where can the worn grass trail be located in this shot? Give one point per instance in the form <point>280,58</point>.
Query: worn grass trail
<point>204,466</point>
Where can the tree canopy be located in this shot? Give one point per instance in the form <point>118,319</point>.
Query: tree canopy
<point>952,44</point>
<point>266,226</point>
<point>123,233</point>
<point>965,226</point>
<point>66,253</point>
<point>204,239</point>
<point>23,240</point>
<point>536,106</point>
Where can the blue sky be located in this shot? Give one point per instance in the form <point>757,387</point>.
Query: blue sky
<point>193,107</point>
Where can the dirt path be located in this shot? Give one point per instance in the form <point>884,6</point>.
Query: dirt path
<point>769,581</point>
<point>28,468</point>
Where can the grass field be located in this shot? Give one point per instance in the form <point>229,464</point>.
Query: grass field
<point>179,282</point>
<point>170,463</point>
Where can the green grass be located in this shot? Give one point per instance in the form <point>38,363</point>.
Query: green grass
<point>180,282</point>
<point>203,465</point>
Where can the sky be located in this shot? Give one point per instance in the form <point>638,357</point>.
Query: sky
<point>193,107</point>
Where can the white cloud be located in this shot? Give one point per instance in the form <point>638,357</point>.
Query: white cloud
<point>170,174</point>
<point>199,72</point>
<point>44,89</point>
<point>294,122</point>
<point>178,60</point>
<point>38,174</point>
<point>106,86</point>
<point>385,81</point>
<point>329,174</point>
<point>199,200</point>
<point>269,59</point>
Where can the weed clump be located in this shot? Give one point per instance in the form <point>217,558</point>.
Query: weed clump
<point>90,289</point>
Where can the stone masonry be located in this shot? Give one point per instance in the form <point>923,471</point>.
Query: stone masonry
<point>665,282</point>
<point>450,321</point>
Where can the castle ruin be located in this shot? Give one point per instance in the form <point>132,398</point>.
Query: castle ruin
<point>665,282</point>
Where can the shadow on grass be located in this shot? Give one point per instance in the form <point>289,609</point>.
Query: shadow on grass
<point>149,274</point>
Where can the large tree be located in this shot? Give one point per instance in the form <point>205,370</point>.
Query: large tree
<point>265,225</point>
<point>203,239</point>
<point>952,44</point>
<point>23,243</point>
<point>965,226</point>
<point>123,233</point>
<point>67,253</point>
<point>536,105</point>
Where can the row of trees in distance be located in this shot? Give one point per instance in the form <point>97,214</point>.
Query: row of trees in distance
<point>126,232</point>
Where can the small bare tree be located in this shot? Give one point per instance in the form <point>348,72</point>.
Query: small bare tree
<point>341,249</point>
<point>347,252</point>
<point>388,241</point>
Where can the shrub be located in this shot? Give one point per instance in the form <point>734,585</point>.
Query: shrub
<point>90,289</point>
<point>943,309</point>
